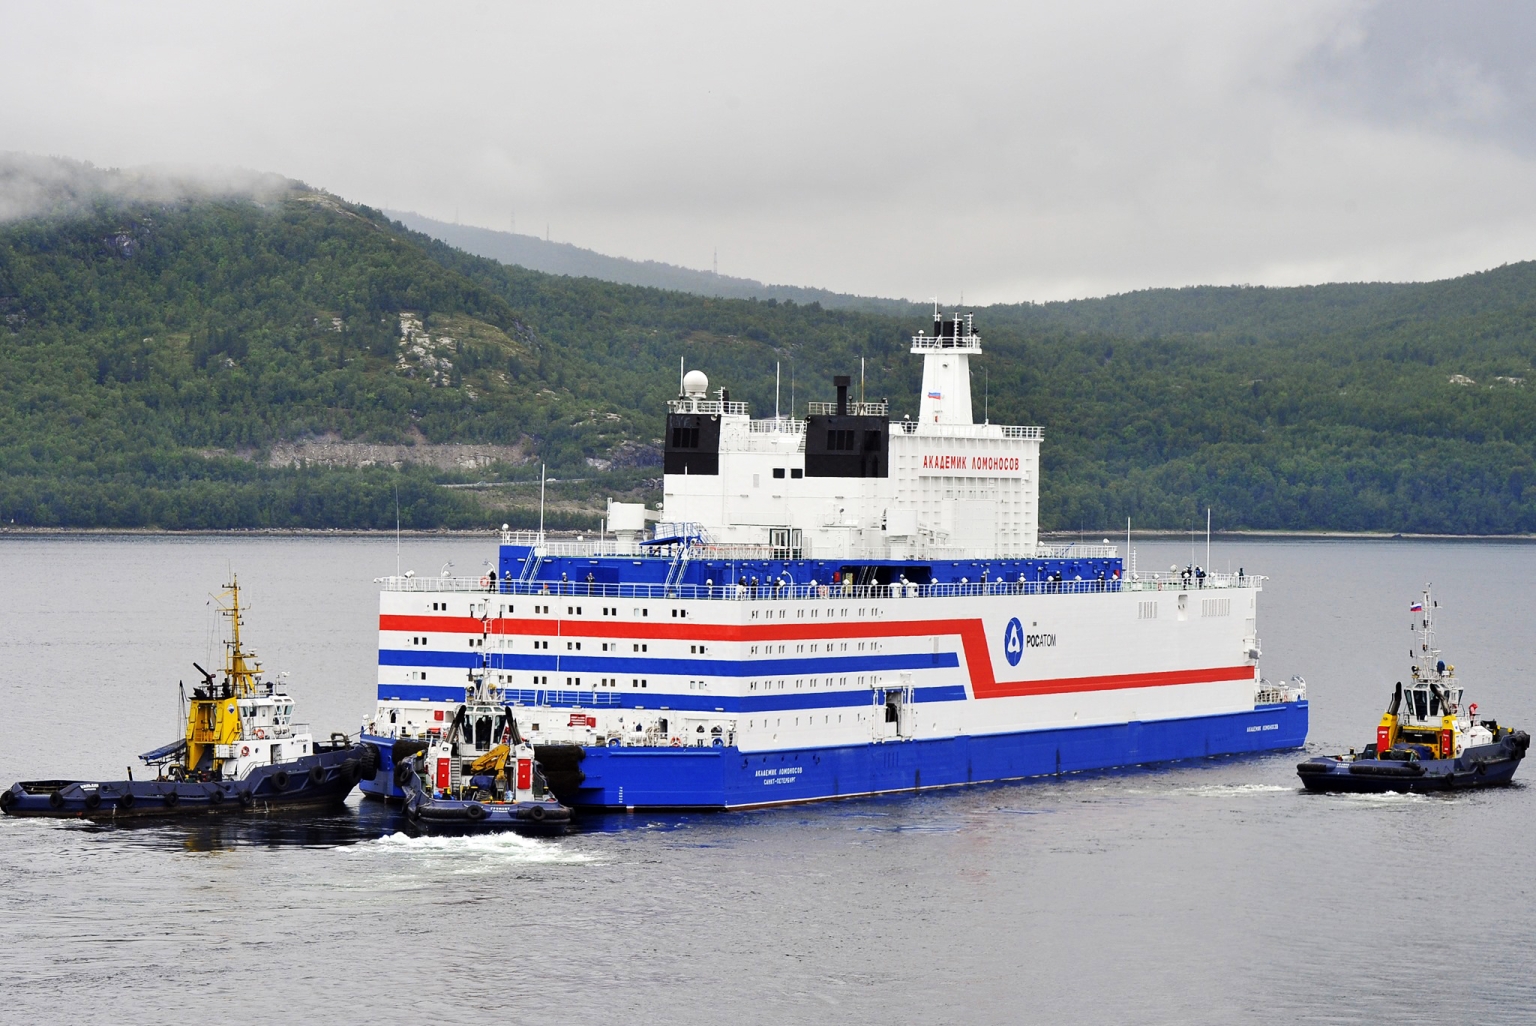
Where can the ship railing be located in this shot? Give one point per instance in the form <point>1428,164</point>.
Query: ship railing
<point>1075,550</point>
<point>911,427</point>
<point>854,409</point>
<point>1267,693</point>
<point>777,426</point>
<point>716,406</point>
<point>770,590</point>
<point>963,343</point>
<point>1143,580</point>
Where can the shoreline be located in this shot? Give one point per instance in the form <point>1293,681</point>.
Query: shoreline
<point>1082,537</point>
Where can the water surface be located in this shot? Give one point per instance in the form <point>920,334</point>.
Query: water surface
<point>1207,892</point>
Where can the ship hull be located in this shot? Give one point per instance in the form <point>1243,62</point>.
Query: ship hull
<point>1491,765</point>
<point>317,781</point>
<point>727,778</point>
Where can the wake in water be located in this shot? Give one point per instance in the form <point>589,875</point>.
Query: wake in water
<point>500,847</point>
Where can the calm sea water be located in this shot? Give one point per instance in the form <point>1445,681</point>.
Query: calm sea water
<point>1209,892</point>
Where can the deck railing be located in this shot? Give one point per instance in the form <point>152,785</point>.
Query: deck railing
<point>800,590</point>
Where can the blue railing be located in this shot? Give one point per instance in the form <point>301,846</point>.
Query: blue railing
<point>788,591</point>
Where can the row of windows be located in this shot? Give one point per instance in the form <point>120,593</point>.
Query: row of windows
<point>826,720</point>
<point>794,472</point>
<point>540,644</point>
<point>767,614</point>
<point>800,682</point>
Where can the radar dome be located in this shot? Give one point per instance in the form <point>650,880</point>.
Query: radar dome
<point>695,382</point>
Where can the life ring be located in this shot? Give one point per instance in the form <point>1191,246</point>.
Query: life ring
<point>245,750</point>
<point>677,742</point>
<point>485,582</point>
<point>261,735</point>
<point>474,811</point>
<point>280,780</point>
<point>317,775</point>
<point>536,813</point>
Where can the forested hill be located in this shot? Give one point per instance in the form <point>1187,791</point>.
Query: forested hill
<point>160,362</point>
<point>563,258</point>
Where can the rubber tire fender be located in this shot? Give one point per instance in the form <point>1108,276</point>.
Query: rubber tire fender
<point>403,774</point>
<point>7,800</point>
<point>93,800</point>
<point>280,780</point>
<point>536,813</point>
<point>316,775</point>
<point>171,799</point>
<point>247,799</point>
<point>215,796</point>
<point>474,812</point>
<point>55,800</point>
<point>126,801</point>
<point>369,761</point>
<point>352,771</point>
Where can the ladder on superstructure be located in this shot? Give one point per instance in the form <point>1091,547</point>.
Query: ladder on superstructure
<point>679,565</point>
<point>531,565</point>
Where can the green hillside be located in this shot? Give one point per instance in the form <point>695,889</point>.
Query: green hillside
<point>155,356</point>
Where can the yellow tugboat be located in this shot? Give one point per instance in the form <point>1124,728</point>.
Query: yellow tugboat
<point>1429,739</point>
<point>242,751</point>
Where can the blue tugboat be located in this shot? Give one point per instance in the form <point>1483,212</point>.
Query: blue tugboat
<point>461,782</point>
<point>242,752</point>
<point>1427,740</point>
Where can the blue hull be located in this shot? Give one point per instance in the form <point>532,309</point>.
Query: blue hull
<point>726,778</point>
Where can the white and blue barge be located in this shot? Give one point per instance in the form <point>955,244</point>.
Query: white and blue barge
<point>831,605</point>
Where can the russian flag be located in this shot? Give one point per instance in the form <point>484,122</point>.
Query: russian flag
<point>1417,607</point>
<point>935,395</point>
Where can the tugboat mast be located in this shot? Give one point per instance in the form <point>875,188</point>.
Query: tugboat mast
<point>240,677</point>
<point>1425,629</point>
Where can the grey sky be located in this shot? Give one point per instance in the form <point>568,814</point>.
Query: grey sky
<point>1010,151</point>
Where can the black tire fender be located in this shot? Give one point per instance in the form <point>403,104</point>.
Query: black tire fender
<point>126,801</point>
<point>352,771</point>
<point>316,775</point>
<point>7,800</point>
<point>93,800</point>
<point>247,799</point>
<point>536,813</point>
<point>171,799</point>
<point>280,780</point>
<point>403,774</point>
<point>215,796</point>
<point>474,812</point>
<point>55,800</point>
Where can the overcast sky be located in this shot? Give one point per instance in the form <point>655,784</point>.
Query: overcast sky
<point>1008,151</point>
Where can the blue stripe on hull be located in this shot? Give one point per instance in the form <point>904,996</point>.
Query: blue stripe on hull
<point>628,698</point>
<point>720,778</point>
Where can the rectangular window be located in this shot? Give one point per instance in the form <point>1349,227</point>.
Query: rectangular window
<point>778,472</point>
<point>796,472</point>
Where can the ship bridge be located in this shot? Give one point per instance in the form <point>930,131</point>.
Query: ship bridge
<point>846,481</point>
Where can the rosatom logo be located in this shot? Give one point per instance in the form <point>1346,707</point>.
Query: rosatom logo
<point>1013,641</point>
